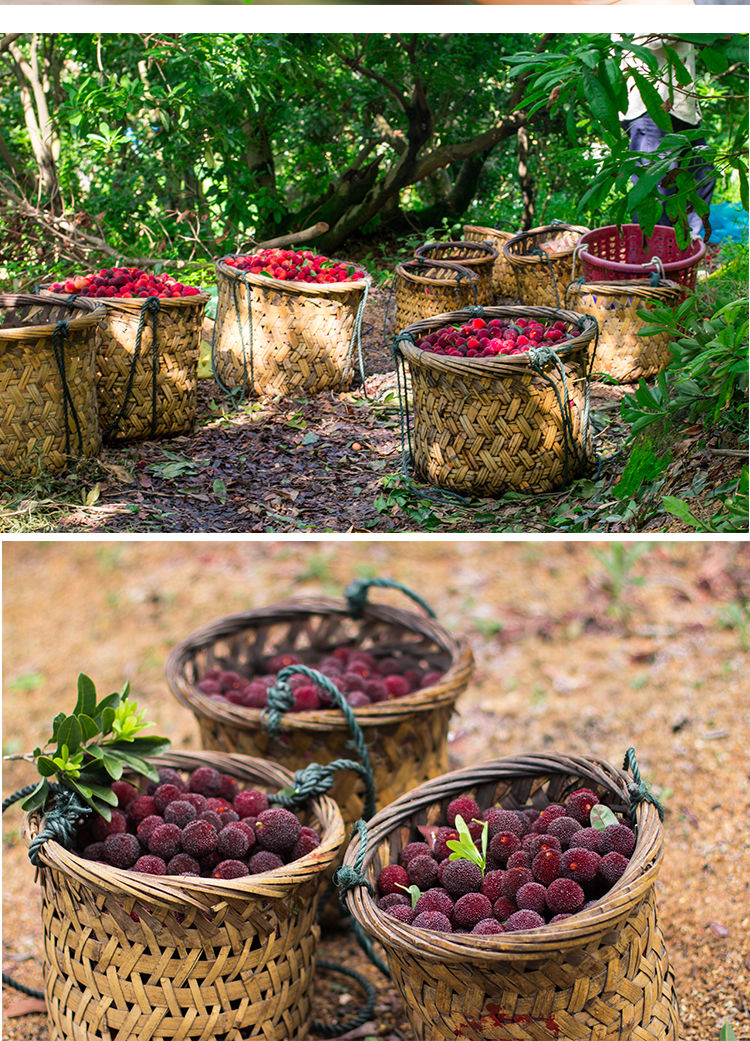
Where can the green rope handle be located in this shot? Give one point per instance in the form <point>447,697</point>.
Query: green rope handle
<point>333,1028</point>
<point>151,305</point>
<point>281,699</point>
<point>59,335</point>
<point>357,335</point>
<point>349,877</point>
<point>317,779</point>
<point>356,594</point>
<point>472,282</point>
<point>639,792</point>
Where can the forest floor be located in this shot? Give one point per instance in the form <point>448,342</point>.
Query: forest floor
<point>609,645</point>
<point>334,462</point>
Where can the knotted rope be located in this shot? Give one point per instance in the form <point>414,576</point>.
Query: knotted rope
<point>357,336</point>
<point>60,823</point>
<point>281,700</point>
<point>545,257</point>
<point>317,779</point>
<point>639,791</point>
<point>356,594</point>
<point>59,335</point>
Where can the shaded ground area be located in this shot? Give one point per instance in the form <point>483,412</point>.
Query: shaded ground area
<point>611,645</point>
<point>334,462</point>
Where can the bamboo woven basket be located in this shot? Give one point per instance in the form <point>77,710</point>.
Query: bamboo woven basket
<point>280,337</point>
<point>48,414</point>
<point>174,958</point>
<point>601,975</point>
<point>623,252</point>
<point>405,737</point>
<point>475,255</point>
<point>425,288</point>
<point>621,352</point>
<point>540,277</point>
<point>503,275</point>
<point>486,425</point>
<point>148,389</point>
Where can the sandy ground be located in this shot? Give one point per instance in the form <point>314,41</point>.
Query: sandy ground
<point>579,647</point>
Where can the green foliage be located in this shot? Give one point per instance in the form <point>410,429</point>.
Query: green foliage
<point>92,747</point>
<point>732,515</point>
<point>602,816</point>
<point>726,1033</point>
<point>585,81</point>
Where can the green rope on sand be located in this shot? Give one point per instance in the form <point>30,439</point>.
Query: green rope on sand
<point>356,594</point>
<point>639,792</point>
<point>332,1028</point>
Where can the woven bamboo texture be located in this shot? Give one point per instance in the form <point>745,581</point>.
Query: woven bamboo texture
<point>406,737</point>
<point>601,975</point>
<point>487,425</point>
<point>136,402</point>
<point>426,288</point>
<point>623,252</point>
<point>276,337</point>
<point>33,419</point>
<point>136,957</point>
<point>621,352</point>
<point>475,255</point>
<point>536,276</point>
<point>503,275</point>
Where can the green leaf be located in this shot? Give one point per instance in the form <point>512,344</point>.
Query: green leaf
<point>106,719</point>
<point>88,727</point>
<point>651,99</point>
<point>414,892</point>
<point>86,704</point>
<point>56,725</point>
<point>38,797</point>
<point>680,509</point>
<point>726,1033</point>
<point>463,848</point>
<point>715,61</point>
<point>113,766</point>
<point>601,816</point>
<point>70,733</point>
<point>46,766</point>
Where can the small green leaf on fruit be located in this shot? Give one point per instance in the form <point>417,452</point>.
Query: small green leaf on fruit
<point>414,892</point>
<point>602,816</point>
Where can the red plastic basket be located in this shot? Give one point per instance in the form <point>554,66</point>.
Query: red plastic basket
<point>623,252</point>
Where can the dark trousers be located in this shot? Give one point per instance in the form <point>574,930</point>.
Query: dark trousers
<point>646,136</point>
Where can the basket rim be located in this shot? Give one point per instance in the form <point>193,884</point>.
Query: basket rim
<point>575,931</point>
<point>96,312</point>
<point>635,287</point>
<point>615,265</point>
<point>490,252</point>
<point>500,365</point>
<point>422,264</point>
<point>177,890</point>
<point>445,692</point>
<point>498,232</point>
<point>301,288</point>
<point>520,258</point>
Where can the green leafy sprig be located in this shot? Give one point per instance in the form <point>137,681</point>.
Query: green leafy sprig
<point>464,847</point>
<point>93,747</point>
<point>414,892</point>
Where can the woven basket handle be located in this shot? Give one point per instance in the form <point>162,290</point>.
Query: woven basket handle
<point>281,699</point>
<point>356,594</point>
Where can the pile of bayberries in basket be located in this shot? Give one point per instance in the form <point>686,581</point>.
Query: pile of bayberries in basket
<point>539,867</point>
<point>362,678</point>
<point>202,824</point>
<point>124,282</point>
<point>487,339</point>
<point>296,266</point>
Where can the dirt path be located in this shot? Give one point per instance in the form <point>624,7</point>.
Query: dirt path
<point>580,647</point>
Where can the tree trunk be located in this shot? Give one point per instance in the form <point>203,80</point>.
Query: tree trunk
<point>33,90</point>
